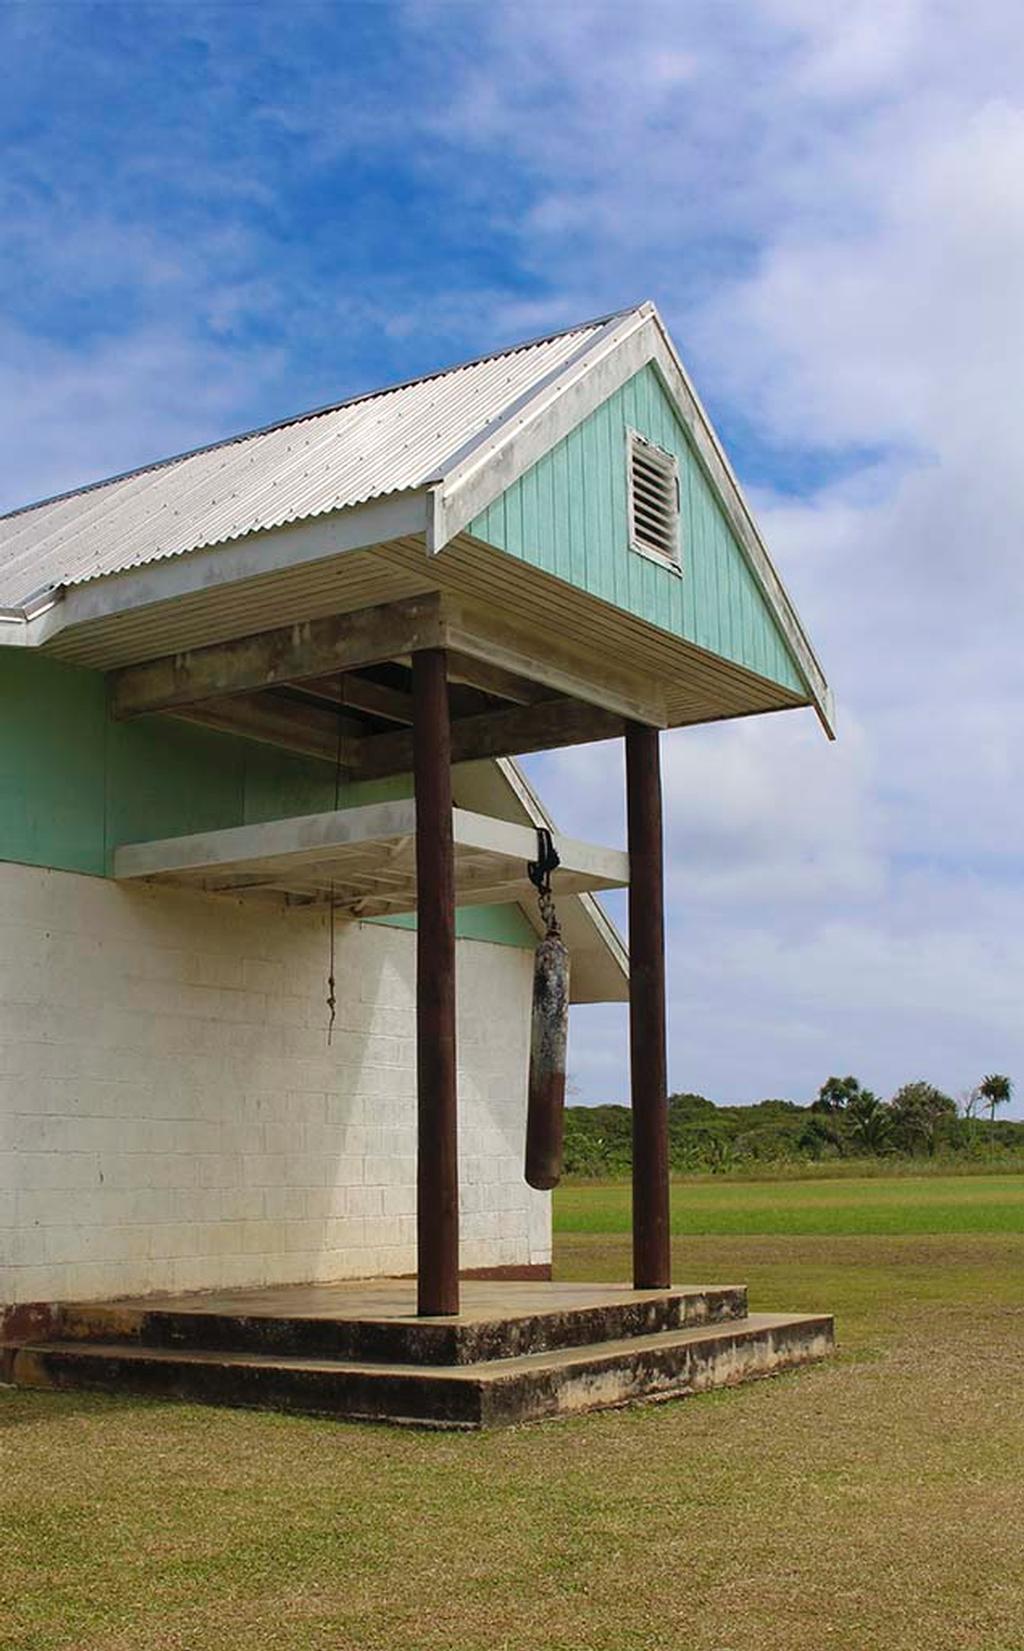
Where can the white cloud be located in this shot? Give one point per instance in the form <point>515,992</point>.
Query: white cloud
<point>854,52</point>
<point>856,906</point>
<point>70,415</point>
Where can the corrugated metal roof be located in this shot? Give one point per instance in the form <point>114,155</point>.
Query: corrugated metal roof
<point>386,442</point>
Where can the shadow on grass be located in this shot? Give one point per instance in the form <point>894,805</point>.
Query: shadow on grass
<point>21,1406</point>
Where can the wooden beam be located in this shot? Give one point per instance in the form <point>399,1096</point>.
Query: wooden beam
<point>305,728</point>
<point>545,727</point>
<point>491,679</point>
<point>464,701</point>
<point>541,656</point>
<point>437,1175</point>
<point>648,1069</point>
<point>357,693</point>
<point>317,647</point>
<point>472,684</point>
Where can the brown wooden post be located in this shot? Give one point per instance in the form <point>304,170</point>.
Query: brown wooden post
<point>437,1175</point>
<point>648,1065</point>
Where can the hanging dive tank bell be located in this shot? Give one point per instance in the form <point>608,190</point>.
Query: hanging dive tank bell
<point>549,1030</point>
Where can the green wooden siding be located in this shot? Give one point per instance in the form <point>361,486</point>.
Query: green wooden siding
<point>74,784</point>
<point>502,925</point>
<point>52,763</point>
<point>568,516</point>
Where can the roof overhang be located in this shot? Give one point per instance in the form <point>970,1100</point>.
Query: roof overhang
<point>362,861</point>
<point>257,557</point>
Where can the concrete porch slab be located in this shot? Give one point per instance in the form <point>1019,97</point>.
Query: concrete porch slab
<point>377,1319</point>
<point>517,1352</point>
<point>499,1392</point>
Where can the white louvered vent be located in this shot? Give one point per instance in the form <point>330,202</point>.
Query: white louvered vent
<point>653,500</point>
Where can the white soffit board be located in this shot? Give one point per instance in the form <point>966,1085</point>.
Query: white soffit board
<point>365,860</point>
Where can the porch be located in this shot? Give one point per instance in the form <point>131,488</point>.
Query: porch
<point>415,686</point>
<point>515,1352</point>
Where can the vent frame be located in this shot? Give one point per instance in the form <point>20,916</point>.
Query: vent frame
<point>659,540</point>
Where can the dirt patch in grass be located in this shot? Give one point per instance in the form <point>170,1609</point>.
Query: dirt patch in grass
<point>871,1504</point>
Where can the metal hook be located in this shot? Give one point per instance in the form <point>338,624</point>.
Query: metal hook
<point>547,861</point>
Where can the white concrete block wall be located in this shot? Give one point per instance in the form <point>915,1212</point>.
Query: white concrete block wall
<point>171,1116</point>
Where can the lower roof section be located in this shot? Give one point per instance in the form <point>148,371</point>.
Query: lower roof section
<point>363,860</point>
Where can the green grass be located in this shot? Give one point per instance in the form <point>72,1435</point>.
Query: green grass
<point>848,1207</point>
<point>873,1503</point>
<point>895,1166</point>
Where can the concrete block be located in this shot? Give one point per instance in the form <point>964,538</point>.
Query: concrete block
<point>164,1069</point>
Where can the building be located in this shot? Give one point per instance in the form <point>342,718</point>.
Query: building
<point>259,703</point>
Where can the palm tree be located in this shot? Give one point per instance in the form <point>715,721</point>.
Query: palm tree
<point>996,1089</point>
<point>870,1124</point>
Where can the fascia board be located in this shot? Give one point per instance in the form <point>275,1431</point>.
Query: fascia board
<point>724,482</point>
<point>727,487</point>
<point>15,629</point>
<point>397,515</point>
<point>497,458</point>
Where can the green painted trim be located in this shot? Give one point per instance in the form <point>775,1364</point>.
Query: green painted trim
<point>568,516</point>
<point>505,925</point>
<point>74,784</point>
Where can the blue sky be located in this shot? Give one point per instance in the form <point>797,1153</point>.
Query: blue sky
<point>213,216</point>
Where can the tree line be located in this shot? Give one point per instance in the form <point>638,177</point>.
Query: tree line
<point>845,1120</point>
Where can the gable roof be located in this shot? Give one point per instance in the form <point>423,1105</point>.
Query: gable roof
<point>384,442</point>
<point>441,447</point>
<point>499,455</point>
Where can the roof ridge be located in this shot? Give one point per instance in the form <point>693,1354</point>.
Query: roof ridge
<point>313,413</point>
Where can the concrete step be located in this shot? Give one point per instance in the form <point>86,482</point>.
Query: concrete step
<point>361,1323</point>
<point>492,1392</point>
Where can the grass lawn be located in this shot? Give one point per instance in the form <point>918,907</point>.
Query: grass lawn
<point>875,1503</point>
<point>863,1206</point>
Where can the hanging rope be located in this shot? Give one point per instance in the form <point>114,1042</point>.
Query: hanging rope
<point>332,996</point>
